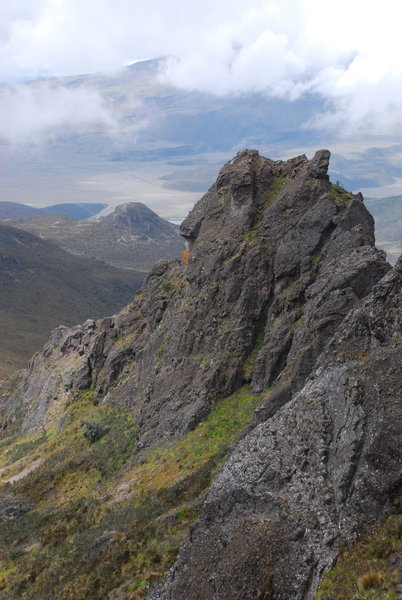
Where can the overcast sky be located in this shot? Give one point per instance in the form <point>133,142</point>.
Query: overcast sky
<point>348,52</point>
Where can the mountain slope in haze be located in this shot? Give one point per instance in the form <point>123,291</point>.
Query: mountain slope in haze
<point>245,407</point>
<point>167,138</point>
<point>132,237</point>
<point>15,210</point>
<point>387,213</point>
<point>42,286</point>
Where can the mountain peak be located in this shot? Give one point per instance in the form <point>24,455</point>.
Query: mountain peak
<point>285,304</point>
<point>132,237</point>
<point>252,190</point>
<point>133,212</point>
<point>320,163</point>
<point>140,219</point>
<point>270,244</point>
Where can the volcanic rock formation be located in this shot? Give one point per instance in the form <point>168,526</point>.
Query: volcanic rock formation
<point>325,467</point>
<point>283,289</point>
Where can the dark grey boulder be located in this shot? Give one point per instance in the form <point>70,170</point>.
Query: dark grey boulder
<point>12,507</point>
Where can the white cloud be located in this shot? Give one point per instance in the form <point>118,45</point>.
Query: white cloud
<point>347,52</point>
<point>71,36</point>
<point>37,112</point>
<point>14,14</point>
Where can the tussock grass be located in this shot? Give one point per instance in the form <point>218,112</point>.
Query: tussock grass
<point>365,571</point>
<point>369,580</point>
<point>82,490</point>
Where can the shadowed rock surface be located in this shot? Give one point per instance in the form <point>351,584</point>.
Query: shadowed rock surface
<point>283,289</point>
<point>323,468</point>
<point>12,507</point>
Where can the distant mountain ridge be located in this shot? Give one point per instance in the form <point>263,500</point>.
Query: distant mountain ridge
<point>387,213</point>
<point>42,286</point>
<point>132,237</point>
<point>15,210</point>
<point>55,269</point>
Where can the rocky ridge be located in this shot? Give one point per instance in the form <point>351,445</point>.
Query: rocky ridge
<point>324,468</point>
<point>278,258</point>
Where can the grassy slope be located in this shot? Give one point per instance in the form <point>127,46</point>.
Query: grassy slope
<point>369,570</point>
<point>82,490</point>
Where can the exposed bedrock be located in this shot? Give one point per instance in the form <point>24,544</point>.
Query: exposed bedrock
<point>325,467</point>
<point>278,257</point>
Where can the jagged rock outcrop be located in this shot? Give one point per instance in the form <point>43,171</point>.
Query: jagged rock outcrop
<point>284,289</point>
<point>13,506</point>
<point>278,256</point>
<point>323,468</point>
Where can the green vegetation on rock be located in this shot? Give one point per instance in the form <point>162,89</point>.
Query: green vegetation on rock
<point>339,193</point>
<point>368,570</point>
<point>102,519</point>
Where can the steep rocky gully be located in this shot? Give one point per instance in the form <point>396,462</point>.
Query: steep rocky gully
<point>288,319</point>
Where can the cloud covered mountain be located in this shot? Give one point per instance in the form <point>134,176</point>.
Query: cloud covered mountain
<point>130,135</point>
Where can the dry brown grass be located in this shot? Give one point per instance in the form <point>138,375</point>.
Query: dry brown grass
<point>369,580</point>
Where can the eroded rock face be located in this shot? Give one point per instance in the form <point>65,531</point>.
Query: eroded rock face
<point>323,468</point>
<point>278,256</point>
<point>283,288</point>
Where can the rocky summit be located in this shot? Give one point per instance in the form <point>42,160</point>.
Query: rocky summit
<point>282,299</point>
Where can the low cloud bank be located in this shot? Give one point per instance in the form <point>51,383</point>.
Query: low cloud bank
<point>346,53</point>
<point>38,112</point>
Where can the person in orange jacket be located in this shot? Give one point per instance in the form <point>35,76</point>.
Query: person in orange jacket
<point>186,253</point>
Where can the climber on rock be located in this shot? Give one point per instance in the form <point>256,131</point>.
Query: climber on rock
<point>186,252</point>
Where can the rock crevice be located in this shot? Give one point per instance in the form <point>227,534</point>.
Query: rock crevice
<point>283,289</point>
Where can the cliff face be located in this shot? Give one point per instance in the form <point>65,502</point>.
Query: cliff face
<point>284,291</point>
<point>278,256</point>
<point>323,468</point>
